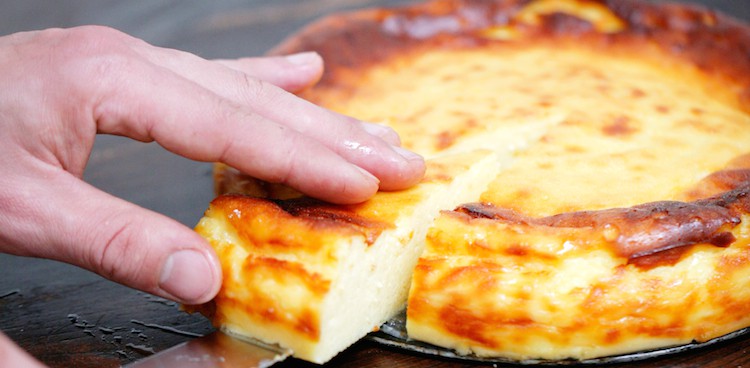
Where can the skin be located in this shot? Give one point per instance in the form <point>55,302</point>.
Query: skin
<point>62,87</point>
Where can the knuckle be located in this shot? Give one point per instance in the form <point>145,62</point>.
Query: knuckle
<point>251,88</point>
<point>113,248</point>
<point>267,151</point>
<point>92,53</point>
<point>96,65</point>
<point>390,136</point>
<point>86,41</point>
<point>285,158</point>
<point>349,127</point>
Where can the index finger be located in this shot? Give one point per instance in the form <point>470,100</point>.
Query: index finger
<point>381,155</point>
<point>194,122</point>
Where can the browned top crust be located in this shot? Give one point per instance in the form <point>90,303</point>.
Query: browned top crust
<point>715,43</point>
<point>615,135</point>
<point>324,213</point>
<point>645,229</point>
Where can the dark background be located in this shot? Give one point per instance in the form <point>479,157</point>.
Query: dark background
<point>68,317</point>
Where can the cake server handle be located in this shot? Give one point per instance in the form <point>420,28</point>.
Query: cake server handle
<point>216,349</point>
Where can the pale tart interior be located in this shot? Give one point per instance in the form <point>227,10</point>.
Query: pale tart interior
<point>315,283</point>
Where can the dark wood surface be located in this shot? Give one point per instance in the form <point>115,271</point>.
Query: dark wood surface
<point>68,317</point>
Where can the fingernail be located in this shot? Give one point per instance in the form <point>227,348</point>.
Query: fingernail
<point>187,275</point>
<point>302,58</point>
<point>375,129</point>
<point>382,131</point>
<point>368,175</point>
<point>407,155</point>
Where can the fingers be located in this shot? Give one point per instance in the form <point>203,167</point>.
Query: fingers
<point>12,356</point>
<point>194,122</point>
<point>210,112</point>
<point>370,146</point>
<point>60,217</point>
<point>396,167</point>
<point>292,73</point>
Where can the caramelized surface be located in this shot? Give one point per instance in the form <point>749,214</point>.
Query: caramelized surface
<point>618,220</point>
<point>295,269</point>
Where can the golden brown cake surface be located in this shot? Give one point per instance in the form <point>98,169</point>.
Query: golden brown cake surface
<point>315,277</point>
<point>613,216</point>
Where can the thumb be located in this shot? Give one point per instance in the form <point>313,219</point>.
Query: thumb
<point>70,221</point>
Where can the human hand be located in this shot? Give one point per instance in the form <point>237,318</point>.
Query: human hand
<point>12,356</point>
<point>62,87</point>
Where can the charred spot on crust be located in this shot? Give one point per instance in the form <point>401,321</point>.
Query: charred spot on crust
<point>323,212</point>
<point>645,229</point>
<point>313,213</point>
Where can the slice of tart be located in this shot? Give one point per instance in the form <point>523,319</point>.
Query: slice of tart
<point>315,277</point>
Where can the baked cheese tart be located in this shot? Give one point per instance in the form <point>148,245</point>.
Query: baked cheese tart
<point>315,277</point>
<point>586,195</point>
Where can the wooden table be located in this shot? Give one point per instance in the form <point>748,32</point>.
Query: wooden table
<point>68,317</point>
